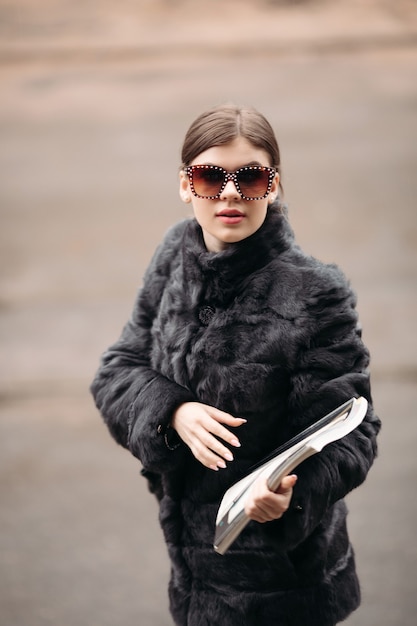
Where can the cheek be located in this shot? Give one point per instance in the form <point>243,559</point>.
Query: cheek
<point>201,214</point>
<point>259,213</point>
<point>201,208</point>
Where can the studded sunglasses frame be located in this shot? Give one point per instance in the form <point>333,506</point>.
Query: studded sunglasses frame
<point>234,176</point>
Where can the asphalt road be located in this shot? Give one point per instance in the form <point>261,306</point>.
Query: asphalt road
<point>89,155</point>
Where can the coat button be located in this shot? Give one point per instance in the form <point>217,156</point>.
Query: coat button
<point>206,314</point>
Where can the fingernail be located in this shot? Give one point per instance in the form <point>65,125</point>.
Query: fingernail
<point>228,456</point>
<point>221,464</point>
<point>214,467</point>
<point>235,442</point>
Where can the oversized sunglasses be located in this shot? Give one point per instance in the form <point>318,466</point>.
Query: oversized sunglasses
<point>253,182</point>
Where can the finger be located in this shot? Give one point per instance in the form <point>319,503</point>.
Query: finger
<point>211,419</point>
<point>287,483</point>
<point>212,426</point>
<point>264,513</point>
<point>200,427</point>
<point>264,505</point>
<point>217,432</point>
<point>255,501</point>
<point>225,418</point>
<point>207,457</point>
<point>215,447</point>
<point>205,446</point>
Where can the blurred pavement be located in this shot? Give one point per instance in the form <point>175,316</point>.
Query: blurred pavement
<point>96,98</point>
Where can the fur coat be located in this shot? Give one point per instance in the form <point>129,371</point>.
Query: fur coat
<point>267,333</point>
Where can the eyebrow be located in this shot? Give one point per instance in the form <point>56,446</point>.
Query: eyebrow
<point>250,164</point>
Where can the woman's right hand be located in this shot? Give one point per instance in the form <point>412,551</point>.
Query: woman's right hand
<point>199,425</point>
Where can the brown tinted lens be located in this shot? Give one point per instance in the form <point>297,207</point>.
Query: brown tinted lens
<point>253,182</point>
<point>207,181</point>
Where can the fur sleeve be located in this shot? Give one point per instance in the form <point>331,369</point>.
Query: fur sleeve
<point>332,366</point>
<point>135,401</point>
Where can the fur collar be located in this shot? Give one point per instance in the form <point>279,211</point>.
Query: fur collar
<point>230,269</point>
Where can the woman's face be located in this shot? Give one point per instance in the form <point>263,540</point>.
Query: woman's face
<point>229,218</point>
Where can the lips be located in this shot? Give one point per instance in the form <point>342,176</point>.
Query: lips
<point>230,217</point>
<point>230,213</point>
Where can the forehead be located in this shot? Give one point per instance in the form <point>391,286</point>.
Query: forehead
<point>233,155</point>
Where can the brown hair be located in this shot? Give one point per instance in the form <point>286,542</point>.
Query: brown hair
<point>222,124</point>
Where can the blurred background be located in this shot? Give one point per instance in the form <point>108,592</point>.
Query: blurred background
<point>95,100</point>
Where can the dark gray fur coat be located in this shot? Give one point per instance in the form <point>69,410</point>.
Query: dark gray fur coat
<point>267,333</point>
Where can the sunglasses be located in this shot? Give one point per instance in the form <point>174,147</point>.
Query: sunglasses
<point>253,182</point>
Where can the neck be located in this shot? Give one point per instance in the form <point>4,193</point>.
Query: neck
<point>212,244</point>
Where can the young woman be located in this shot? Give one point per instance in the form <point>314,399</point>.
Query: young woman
<point>238,341</point>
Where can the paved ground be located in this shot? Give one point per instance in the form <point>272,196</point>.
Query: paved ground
<point>93,110</point>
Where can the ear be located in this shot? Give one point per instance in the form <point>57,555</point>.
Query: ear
<point>185,191</point>
<point>273,193</point>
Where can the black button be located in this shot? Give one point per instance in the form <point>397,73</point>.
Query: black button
<point>206,314</point>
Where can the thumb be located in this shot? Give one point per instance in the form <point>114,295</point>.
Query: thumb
<point>287,483</point>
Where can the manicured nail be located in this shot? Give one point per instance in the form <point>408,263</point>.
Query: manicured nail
<point>214,467</point>
<point>221,464</point>
<point>235,442</point>
<point>229,456</point>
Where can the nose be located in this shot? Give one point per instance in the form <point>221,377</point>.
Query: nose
<point>230,190</point>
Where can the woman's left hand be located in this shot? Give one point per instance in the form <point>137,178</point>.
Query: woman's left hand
<point>264,505</point>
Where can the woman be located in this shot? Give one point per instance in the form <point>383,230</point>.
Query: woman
<point>238,341</point>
